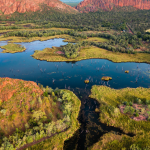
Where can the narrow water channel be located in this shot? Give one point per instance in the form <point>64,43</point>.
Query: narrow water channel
<point>91,128</point>
<point>71,75</point>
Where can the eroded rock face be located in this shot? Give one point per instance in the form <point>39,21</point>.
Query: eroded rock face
<point>94,5</point>
<point>21,6</point>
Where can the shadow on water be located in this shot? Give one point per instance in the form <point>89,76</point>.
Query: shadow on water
<point>91,130</point>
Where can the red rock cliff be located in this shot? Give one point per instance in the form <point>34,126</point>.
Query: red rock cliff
<point>10,6</point>
<point>94,5</point>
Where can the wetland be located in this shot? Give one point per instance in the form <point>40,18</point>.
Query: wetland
<point>71,75</point>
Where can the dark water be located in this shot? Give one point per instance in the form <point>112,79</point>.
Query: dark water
<point>71,75</point>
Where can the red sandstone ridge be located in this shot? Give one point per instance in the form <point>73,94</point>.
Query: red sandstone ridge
<point>94,5</point>
<point>21,6</point>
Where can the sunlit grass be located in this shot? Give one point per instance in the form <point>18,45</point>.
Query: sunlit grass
<point>13,48</point>
<point>148,30</point>
<point>110,114</point>
<point>61,29</point>
<point>95,39</point>
<point>49,54</point>
<point>16,39</point>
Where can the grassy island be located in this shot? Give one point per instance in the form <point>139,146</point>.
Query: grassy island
<point>13,48</point>
<point>32,115</point>
<point>105,78</point>
<point>50,54</point>
<point>125,109</point>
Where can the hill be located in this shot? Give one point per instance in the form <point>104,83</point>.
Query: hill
<point>21,6</point>
<point>95,5</point>
<point>30,114</point>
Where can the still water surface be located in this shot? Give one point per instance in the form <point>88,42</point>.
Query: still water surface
<point>71,75</point>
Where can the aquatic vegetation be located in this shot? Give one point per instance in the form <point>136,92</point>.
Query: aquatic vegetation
<point>97,110</point>
<point>86,81</point>
<point>126,71</point>
<point>132,101</point>
<point>13,48</point>
<point>106,78</point>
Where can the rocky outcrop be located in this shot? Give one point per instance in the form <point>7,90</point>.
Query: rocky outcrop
<point>21,6</point>
<point>94,5</point>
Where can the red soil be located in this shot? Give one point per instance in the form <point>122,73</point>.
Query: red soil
<point>60,52</point>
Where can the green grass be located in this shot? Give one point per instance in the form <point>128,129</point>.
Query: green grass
<point>95,39</point>
<point>13,48</point>
<point>25,28</point>
<point>49,54</point>
<point>110,114</point>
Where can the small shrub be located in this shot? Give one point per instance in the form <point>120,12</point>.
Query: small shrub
<point>50,90</point>
<point>59,99</point>
<point>13,116</point>
<point>49,120</point>
<point>143,110</point>
<point>0,102</point>
<point>126,103</point>
<point>55,99</point>
<point>148,106</point>
<point>148,112</point>
<point>129,109</point>
<point>33,94</point>
<point>45,94</point>
<point>136,114</point>
<point>27,126</point>
<point>56,91</point>
<point>40,100</point>
<point>148,118</point>
<point>53,104</point>
<point>147,102</point>
<point>38,115</point>
<point>130,103</point>
<point>138,101</point>
<point>134,147</point>
<point>58,116</point>
<point>51,116</point>
<point>53,94</point>
<point>66,96</point>
<point>3,111</point>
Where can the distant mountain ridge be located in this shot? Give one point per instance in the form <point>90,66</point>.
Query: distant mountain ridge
<point>21,6</point>
<point>94,5</point>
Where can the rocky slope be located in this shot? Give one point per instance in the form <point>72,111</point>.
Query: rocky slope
<point>21,6</point>
<point>94,5</point>
<point>8,87</point>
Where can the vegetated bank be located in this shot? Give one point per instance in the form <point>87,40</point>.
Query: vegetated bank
<point>13,48</point>
<point>30,114</point>
<point>111,101</point>
<point>87,52</point>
